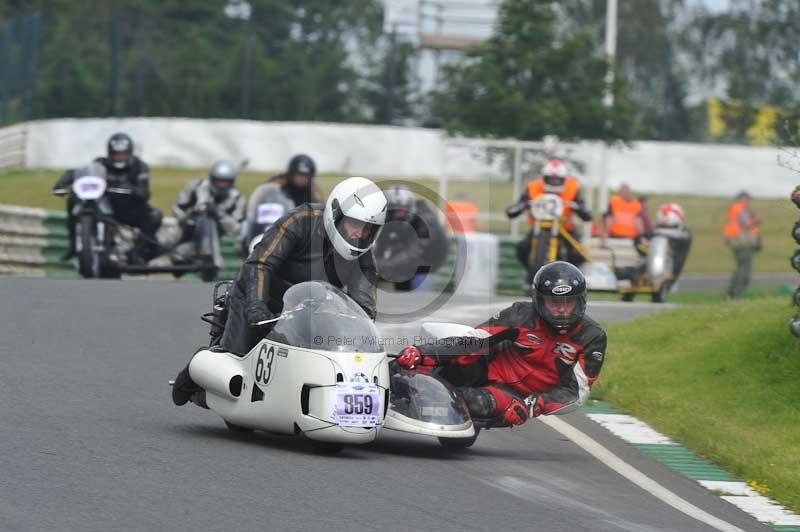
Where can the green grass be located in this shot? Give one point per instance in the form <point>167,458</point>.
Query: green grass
<point>706,216</point>
<point>703,296</point>
<point>721,379</point>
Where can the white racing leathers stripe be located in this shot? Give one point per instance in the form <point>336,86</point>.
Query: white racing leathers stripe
<point>583,392</point>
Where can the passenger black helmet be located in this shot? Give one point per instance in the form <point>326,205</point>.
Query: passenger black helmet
<point>302,164</point>
<point>120,150</point>
<point>559,294</point>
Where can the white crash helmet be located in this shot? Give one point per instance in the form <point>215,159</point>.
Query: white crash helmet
<point>670,215</point>
<point>357,199</point>
<point>554,174</point>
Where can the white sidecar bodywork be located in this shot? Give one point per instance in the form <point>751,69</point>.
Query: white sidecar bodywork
<point>290,390</point>
<point>438,413</point>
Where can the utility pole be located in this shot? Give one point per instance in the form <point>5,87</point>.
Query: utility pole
<point>114,82</point>
<point>608,97</point>
<point>391,81</point>
<point>241,9</point>
<point>247,70</point>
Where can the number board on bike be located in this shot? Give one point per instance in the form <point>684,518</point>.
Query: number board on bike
<point>358,404</point>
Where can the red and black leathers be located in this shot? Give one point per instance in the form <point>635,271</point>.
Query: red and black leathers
<point>553,371</point>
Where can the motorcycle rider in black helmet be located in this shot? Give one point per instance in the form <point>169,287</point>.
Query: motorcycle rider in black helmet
<point>546,364</point>
<point>297,182</point>
<point>124,171</point>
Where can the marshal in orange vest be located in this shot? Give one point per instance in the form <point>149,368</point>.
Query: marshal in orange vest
<point>623,217</point>
<point>732,227</point>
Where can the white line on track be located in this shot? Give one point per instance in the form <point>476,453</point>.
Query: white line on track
<point>634,475</point>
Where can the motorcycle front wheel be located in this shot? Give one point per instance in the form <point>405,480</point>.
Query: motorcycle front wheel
<point>88,259</point>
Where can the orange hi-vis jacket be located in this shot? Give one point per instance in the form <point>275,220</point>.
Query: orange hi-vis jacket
<point>571,187</point>
<point>623,217</point>
<point>732,226</point>
<point>462,216</point>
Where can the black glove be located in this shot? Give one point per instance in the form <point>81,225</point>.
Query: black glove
<point>515,210</point>
<point>257,311</point>
<point>209,209</point>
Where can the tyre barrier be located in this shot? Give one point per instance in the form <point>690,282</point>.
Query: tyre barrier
<point>794,323</point>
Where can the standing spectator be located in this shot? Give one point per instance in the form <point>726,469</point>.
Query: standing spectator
<point>742,235</point>
<point>623,217</point>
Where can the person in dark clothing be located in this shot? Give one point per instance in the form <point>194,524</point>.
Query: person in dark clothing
<point>123,171</point>
<point>297,182</point>
<point>311,242</point>
<point>547,365</point>
<point>412,244</point>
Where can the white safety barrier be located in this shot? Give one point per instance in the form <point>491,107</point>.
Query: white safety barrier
<point>478,261</point>
<point>12,146</point>
<point>387,151</point>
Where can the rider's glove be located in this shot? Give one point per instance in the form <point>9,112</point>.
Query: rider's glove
<point>519,411</point>
<point>515,210</point>
<point>209,209</point>
<point>409,357</point>
<point>257,311</point>
<point>535,404</point>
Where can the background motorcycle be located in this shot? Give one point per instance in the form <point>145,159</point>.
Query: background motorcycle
<point>96,231</point>
<point>267,204</point>
<point>207,260</point>
<point>550,237</point>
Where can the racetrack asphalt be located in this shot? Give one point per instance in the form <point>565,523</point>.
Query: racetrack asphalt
<point>90,440</point>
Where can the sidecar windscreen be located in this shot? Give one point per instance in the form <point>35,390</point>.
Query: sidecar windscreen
<point>321,317</point>
<point>425,399</point>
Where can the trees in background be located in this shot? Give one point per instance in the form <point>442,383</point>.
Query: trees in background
<point>683,72</point>
<point>531,79</point>
<point>299,59</point>
<point>749,55</point>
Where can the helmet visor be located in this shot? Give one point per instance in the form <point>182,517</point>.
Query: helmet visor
<point>554,180</point>
<point>562,312</point>
<point>221,184</point>
<point>561,306</point>
<point>357,233</point>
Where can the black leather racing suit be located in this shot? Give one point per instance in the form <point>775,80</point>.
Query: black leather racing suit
<point>309,194</point>
<point>293,250</point>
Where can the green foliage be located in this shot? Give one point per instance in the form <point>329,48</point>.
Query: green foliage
<point>646,55</point>
<point>720,379</point>
<point>529,80</point>
<point>750,50</point>
<point>179,58</point>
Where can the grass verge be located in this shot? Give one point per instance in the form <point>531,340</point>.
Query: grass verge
<point>706,216</point>
<point>721,379</point>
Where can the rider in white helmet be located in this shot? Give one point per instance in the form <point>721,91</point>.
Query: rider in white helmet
<point>312,242</point>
